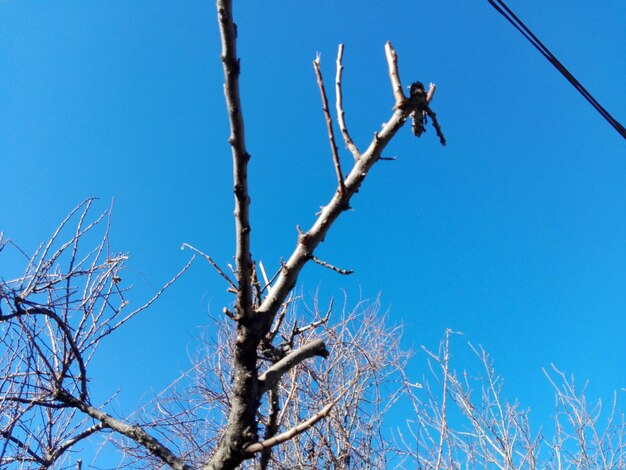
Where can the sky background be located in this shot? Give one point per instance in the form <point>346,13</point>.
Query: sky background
<point>514,233</point>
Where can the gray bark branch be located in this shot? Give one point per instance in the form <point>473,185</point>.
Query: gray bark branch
<point>237,140</point>
<point>270,378</point>
<point>329,123</point>
<point>339,105</point>
<point>241,428</point>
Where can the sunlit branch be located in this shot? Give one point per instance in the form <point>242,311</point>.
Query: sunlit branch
<point>339,105</point>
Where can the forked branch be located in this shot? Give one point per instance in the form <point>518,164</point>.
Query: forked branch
<point>340,201</point>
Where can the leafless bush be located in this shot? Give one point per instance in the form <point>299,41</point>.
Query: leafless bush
<point>464,421</point>
<point>52,320</point>
<point>586,435</point>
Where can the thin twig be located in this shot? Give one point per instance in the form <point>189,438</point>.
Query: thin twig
<point>111,329</point>
<point>339,105</point>
<point>279,319</point>
<point>268,286</point>
<point>265,279</point>
<point>444,419</point>
<point>316,323</point>
<point>211,262</point>
<point>329,125</point>
<point>345,272</point>
<point>436,125</point>
<point>310,240</point>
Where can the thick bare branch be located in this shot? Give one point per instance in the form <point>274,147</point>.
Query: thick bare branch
<point>242,427</point>
<point>272,375</point>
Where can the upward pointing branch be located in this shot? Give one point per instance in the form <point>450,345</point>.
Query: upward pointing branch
<point>339,105</point>
<point>394,76</point>
<point>243,260</point>
<point>329,124</point>
<point>340,201</point>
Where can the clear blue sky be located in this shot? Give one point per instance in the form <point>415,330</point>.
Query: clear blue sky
<point>515,233</point>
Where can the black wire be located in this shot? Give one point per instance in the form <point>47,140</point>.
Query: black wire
<point>512,18</point>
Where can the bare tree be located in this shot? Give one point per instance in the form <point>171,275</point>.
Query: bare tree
<point>56,314</point>
<point>257,309</point>
<point>257,396</point>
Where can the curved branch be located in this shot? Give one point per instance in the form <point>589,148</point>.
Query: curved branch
<point>75,439</point>
<point>62,325</point>
<point>285,436</point>
<point>270,378</point>
<point>136,433</point>
<point>329,123</point>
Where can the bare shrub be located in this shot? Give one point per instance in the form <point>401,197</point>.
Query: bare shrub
<point>52,320</point>
<point>462,420</point>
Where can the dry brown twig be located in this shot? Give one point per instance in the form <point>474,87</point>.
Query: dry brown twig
<point>212,263</point>
<point>329,124</point>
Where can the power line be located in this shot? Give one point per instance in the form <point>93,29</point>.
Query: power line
<point>512,18</point>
